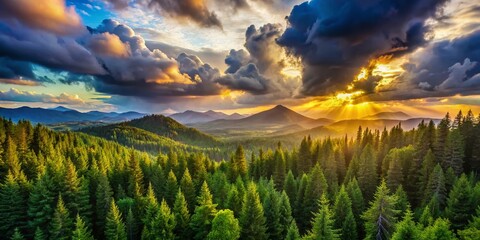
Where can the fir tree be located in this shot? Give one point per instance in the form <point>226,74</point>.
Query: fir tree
<point>407,228</point>
<point>367,172</point>
<point>114,227</point>
<point>234,201</point>
<point>81,231</point>
<point>343,216</point>
<point>271,206</point>
<point>61,225</point>
<point>293,233</point>
<point>17,235</point>
<point>323,223</point>
<point>439,231</point>
<point>182,217</point>
<point>201,221</point>
<point>188,189</point>
<point>13,212</point>
<point>290,187</point>
<point>460,203</point>
<point>171,188</point>
<point>380,217</point>
<point>252,219</point>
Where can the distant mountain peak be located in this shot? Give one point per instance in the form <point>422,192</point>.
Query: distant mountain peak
<point>61,109</point>
<point>281,107</point>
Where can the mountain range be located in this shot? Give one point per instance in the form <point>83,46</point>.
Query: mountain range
<point>189,117</point>
<point>63,114</point>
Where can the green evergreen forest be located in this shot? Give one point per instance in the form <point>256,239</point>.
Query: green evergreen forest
<point>391,184</point>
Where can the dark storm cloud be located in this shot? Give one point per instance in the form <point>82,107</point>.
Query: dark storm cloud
<point>193,10</point>
<point>247,78</point>
<point>257,70</point>
<point>11,69</point>
<point>336,38</point>
<point>236,59</point>
<point>56,52</point>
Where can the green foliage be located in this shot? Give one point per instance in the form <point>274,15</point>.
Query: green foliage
<point>252,219</point>
<point>81,231</point>
<point>182,216</point>
<point>61,224</point>
<point>440,230</point>
<point>292,233</point>
<point>201,221</point>
<point>407,228</point>
<point>343,216</point>
<point>323,224</point>
<point>380,217</point>
<point>17,235</point>
<point>224,226</point>
<point>460,203</point>
<point>114,226</point>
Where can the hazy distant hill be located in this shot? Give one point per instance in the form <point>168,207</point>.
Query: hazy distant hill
<point>189,117</point>
<point>62,114</point>
<point>154,124</point>
<point>273,121</point>
<point>389,115</point>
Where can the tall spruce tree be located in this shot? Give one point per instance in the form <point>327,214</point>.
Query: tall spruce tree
<point>380,218</point>
<point>252,219</point>
<point>61,225</point>
<point>81,231</point>
<point>343,216</point>
<point>201,221</point>
<point>114,226</point>
<point>323,224</point>
<point>182,217</point>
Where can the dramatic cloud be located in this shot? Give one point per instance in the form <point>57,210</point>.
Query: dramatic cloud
<point>336,38</point>
<point>44,48</point>
<point>15,95</point>
<point>444,68</point>
<point>191,10</point>
<point>49,15</point>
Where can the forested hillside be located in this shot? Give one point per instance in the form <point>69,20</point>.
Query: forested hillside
<point>164,127</point>
<point>417,184</point>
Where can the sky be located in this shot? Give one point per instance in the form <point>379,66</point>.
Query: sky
<point>323,58</point>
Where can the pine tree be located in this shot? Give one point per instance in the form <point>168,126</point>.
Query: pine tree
<point>455,152</point>
<point>304,157</point>
<point>367,172</point>
<point>460,203</point>
<point>114,227</point>
<point>224,226</point>
<point>271,206</point>
<point>293,233</point>
<point>165,223</point>
<point>131,225</point>
<point>234,201</point>
<point>188,189</point>
<point>103,199</point>
<point>323,223</point>
<point>316,187</point>
<point>182,217</point>
<point>439,231</point>
<point>252,219</point>
<point>428,165</point>
<point>240,162</point>
<point>407,228</point>
<point>436,186</point>
<point>380,217</point>
<point>402,200</point>
<point>135,181</point>
<point>201,221</point>
<point>395,174</point>
<point>41,202</point>
<point>343,216</point>
<point>171,188</point>
<point>151,215</point>
<point>285,214</point>
<point>81,231</point>
<point>358,204</point>
<point>39,235</point>
<point>17,235</point>
<point>290,187</point>
<point>12,206</point>
<point>280,168</point>
<point>61,225</point>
